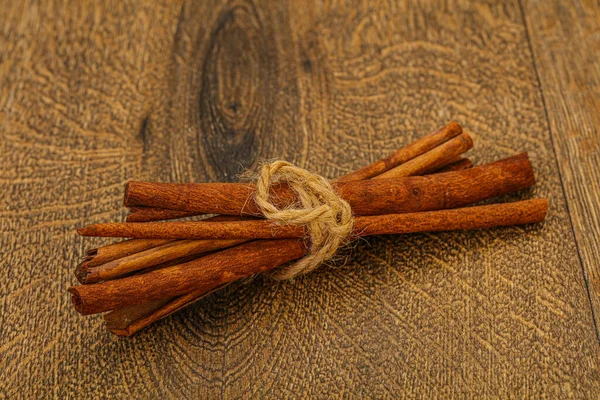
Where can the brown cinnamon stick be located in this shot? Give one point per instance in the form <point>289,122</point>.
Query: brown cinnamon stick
<point>265,229</point>
<point>229,265</point>
<point>376,196</point>
<point>432,160</point>
<point>148,258</point>
<point>406,153</point>
<point>114,251</point>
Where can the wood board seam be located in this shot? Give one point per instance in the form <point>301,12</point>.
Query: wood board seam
<point>562,185</point>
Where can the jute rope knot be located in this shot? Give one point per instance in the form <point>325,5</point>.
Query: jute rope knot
<point>326,217</point>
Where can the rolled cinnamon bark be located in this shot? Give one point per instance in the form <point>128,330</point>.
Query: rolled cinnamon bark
<point>118,250</point>
<point>418,147</point>
<point>213,270</point>
<point>433,159</point>
<point>264,229</point>
<point>154,256</point>
<point>371,197</point>
<point>143,312</point>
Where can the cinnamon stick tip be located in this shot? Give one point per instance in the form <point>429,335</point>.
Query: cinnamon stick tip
<point>538,210</point>
<point>467,139</point>
<point>76,299</point>
<point>89,230</point>
<point>82,271</point>
<point>121,332</point>
<point>528,168</point>
<point>545,205</point>
<point>454,126</point>
<point>126,193</point>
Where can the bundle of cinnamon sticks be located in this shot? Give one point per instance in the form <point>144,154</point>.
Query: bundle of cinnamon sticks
<point>164,266</point>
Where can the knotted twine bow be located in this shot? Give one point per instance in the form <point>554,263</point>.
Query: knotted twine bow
<point>326,217</point>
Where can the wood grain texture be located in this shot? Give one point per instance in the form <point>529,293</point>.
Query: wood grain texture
<point>93,95</point>
<point>566,46</point>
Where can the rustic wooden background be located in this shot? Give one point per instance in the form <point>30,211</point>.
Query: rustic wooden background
<point>93,94</point>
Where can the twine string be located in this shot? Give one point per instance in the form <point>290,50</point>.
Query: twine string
<point>326,217</point>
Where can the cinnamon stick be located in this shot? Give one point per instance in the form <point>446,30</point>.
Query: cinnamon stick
<point>114,251</point>
<point>418,193</point>
<point>406,153</point>
<point>433,159</point>
<point>213,270</point>
<point>265,229</point>
<point>148,258</point>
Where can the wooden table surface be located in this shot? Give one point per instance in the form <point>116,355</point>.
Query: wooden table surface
<point>92,95</point>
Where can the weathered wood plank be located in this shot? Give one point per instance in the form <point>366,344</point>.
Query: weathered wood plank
<point>566,45</point>
<point>76,81</point>
<point>328,85</point>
